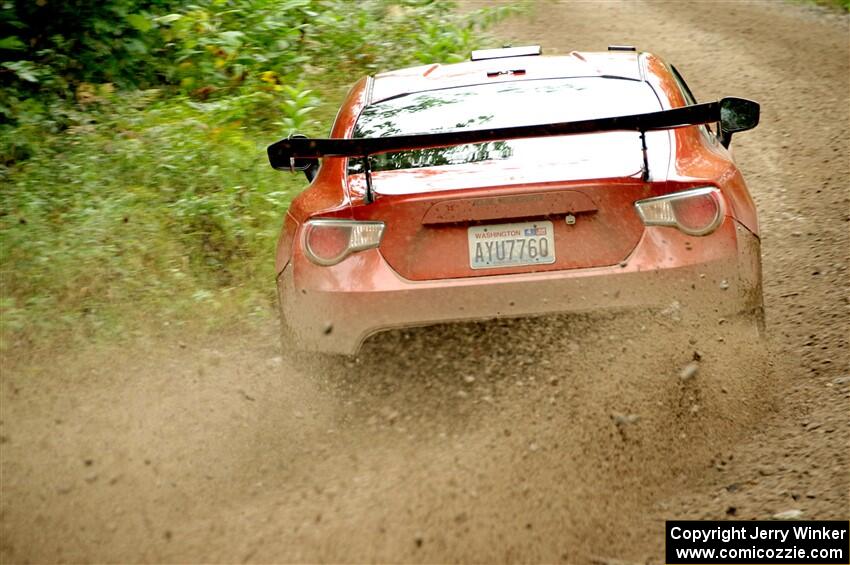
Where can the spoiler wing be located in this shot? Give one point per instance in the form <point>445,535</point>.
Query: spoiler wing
<point>734,114</point>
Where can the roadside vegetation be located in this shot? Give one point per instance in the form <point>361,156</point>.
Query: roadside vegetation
<point>843,5</point>
<point>134,185</point>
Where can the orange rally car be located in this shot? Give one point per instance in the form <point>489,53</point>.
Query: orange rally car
<point>516,184</point>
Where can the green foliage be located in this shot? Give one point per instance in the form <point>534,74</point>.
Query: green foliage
<point>117,201</point>
<point>156,201</point>
<point>214,48</point>
<point>65,55</point>
<point>219,44</point>
<point>50,47</point>
<point>843,5</point>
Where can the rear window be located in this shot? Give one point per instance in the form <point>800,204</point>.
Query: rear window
<point>502,105</point>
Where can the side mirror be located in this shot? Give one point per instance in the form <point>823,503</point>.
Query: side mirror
<point>736,114</point>
<point>309,166</point>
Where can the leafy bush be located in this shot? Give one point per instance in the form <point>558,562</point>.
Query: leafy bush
<point>51,47</point>
<point>218,44</point>
<point>117,201</point>
<point>158,200</point>
<point>71,55</point>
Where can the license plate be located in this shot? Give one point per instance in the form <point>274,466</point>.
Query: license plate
<point>511,245</point>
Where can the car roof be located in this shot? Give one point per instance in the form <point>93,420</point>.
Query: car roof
<point>615,64</point>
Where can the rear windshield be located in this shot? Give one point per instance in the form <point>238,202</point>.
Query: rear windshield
<point>502,105</point>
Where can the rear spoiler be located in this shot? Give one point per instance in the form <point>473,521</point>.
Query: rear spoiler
<point>301,153</point>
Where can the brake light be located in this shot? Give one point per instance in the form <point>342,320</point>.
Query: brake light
<point>695,212</point>
<point>329,241</point>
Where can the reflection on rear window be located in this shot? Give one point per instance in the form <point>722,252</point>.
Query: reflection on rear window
<point>498,105</point>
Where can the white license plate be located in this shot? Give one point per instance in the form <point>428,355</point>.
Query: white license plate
<point>511,245</point>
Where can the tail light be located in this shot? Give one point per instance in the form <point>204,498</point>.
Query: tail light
<point>329,241</point>
<point>695,212</point>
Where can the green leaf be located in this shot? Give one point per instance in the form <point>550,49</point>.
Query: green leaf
<point>233,38</point>
<point>169,19</point>
<point>140,22</point>
<point>12,43</point>
<point>24,69</point>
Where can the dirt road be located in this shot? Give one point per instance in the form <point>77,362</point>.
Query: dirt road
<point>462,444</point>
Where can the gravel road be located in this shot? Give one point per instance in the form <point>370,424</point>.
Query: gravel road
<point>464,443</point>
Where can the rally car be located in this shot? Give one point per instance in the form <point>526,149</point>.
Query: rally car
<point>514,185</point>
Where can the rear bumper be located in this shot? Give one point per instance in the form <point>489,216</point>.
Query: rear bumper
<point>334,309</point>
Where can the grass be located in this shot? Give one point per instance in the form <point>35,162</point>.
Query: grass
<point>131,208</point>
<point>157,209</point>
<point>834,4</point>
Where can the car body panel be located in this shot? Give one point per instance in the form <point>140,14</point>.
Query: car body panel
<point>337,309</point>
<point>418,251</point>
<point>429,77</point>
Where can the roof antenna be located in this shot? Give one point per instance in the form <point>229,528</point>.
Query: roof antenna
<point>645,176</point>
<point>369,197</point>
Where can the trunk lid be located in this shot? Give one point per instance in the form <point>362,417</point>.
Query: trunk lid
<point>431,233</point>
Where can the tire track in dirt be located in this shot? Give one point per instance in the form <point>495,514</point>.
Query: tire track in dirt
<point>212,452</point>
